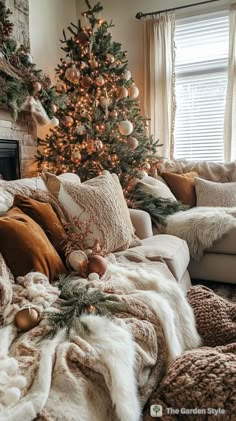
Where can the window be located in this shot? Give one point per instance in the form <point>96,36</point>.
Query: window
<point>201,82</point>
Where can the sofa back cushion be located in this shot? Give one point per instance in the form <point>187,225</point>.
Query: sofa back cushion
<point>26,248</point>
<point>182,186</point>
<point>210,193</point>
<point>46,218</point>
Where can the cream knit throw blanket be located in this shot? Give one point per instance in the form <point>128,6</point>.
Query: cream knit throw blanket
<point>108,375</point>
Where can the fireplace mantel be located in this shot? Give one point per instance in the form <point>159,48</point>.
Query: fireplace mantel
<point>25,132</point>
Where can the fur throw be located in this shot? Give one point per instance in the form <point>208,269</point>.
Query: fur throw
<point>200,227</point>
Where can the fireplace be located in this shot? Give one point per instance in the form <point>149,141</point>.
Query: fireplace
<point>9,159</point>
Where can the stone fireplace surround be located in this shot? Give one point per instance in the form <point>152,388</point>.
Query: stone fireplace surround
<point>25,132</point>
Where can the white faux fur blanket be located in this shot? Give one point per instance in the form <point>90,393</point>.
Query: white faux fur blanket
<point>107,375</point>
<point>200,227</point>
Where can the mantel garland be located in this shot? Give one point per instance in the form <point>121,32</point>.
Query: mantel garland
<point>22,85</point>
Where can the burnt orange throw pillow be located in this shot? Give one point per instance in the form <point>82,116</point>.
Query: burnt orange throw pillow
<point>44,215</point>
<point>182,186</point>
<point>25,247</point>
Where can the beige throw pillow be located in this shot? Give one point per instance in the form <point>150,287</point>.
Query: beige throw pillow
<point>210,193</point>
<point>157,188</point>
<point>100,203</point>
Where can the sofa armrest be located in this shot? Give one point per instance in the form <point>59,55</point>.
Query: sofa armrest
<point>141,222</point>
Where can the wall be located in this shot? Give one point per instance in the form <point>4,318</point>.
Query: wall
<point>47,19</point>
<point>128,30</point>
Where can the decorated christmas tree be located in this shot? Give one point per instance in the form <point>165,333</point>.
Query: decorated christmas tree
<point>102,127</point>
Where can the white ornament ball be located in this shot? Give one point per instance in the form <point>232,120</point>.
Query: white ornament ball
<point>93,276</point>
<point>122,92</point>
<point>77,260</point>
<point>133,92</point>
<point>55,122</point>
<point>133,143</point>
<point>29,58</point>
<point>37,86</point>
<point>126,75</point>
<point>125,127</point>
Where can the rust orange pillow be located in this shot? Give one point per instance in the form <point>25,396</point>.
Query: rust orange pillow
<point>182,186</point>
<point>26,248</point>
<point>44,215</point>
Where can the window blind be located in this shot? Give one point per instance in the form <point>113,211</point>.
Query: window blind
<point>201,81</point>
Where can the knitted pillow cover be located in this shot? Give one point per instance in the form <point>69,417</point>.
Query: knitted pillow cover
<point>210,193</point>
<point>100,209</point>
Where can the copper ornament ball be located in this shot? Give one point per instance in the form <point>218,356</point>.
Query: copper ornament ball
<point>86,82</point>
<point>82,38</point>
<point>113,114</point>
<point>133,143</point>
<point>27,318</point>
<point>97,264</point>
<point>68,121</point>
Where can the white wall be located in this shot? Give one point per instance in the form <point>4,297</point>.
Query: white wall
<point>47,19</point>
<point>128,30</point>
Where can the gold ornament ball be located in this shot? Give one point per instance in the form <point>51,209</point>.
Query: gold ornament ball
<point>113,114</point>
<point>53,108</point>
<point>125,127</point>
<point>72,74</point>
<point>133,92</point>
<point>97,264</point>
<point>37,86</point>
<point>86,82</point>
<point>61,87</point>
<point>93,63</point>
<point>27,318</point>
<point>114,157</point>
<point>99,80</point>
<point>122,92</point>
<point>133,143</point>
<point>68,121</point>
<point>82,38</point>
<point>110,58</point>
<point>76,157</point>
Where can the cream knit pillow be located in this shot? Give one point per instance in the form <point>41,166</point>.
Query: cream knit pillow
<point>99,203</point>
<point>210,193</point>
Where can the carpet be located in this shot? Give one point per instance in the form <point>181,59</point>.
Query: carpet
<point>224,290</point>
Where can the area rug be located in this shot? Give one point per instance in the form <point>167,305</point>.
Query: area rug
<point>224,290</point>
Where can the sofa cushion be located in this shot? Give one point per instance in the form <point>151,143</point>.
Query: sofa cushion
<point>172,250</point>
<point>182,186</point>
<point>26,248</point>
<point>156,188</point>
<point>210,193</point>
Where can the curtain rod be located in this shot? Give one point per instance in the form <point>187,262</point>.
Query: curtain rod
<point>141,15</point>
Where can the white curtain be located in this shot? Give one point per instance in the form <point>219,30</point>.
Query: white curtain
<point>230,108</point>
<point>159,103</point>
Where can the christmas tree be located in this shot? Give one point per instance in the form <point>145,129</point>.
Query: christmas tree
<point>102,127</point>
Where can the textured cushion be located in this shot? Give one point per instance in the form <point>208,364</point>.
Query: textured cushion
<point>157,188</point>
<point>100,204</point>
<point>210,193</point>
<point>182,186</point>
<point>44,215</point>
<point>172,250</point>
<point>6,201</point>
<point>25,247</point>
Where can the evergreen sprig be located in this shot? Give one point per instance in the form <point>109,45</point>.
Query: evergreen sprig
<point>157,207</point>
<point>76,300</point>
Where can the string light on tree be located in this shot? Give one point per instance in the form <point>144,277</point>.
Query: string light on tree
<point>102,121</point>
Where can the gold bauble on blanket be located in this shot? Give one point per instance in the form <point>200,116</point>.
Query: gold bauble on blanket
<point>97,264</point>
<point>27,318</point>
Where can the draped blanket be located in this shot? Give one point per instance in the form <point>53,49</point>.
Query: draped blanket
<point>106,375</point>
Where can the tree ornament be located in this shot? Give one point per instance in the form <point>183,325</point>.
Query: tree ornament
<point>126,75</point>
<point>37,87</point>
<point>80,130</point>
<point>133,92</point>
<point>110,58</point>
<point>91,309</point>
<point>113,114</point>
<point>125,127</point>
<point>104,102</point>
<point>55,122</point>
<point>76,156</point>
<point>100,80</point>
<point>86,82</point>
<point>61,87</point>
<point>97,264</point>
<point>93,63</point>
<point>98,145</point>
<point>29,58</point>
<point>68,121</point>
<point>78,260</point>
<point>72,74</point>
<point>27,318</point>
<point>82,38</point>
<point>133,143</point>
<point>114,157</point>
<point>53,108</point>
<point>121,93</point>
<point>146,166</point>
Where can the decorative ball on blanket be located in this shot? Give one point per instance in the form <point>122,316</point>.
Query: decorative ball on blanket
<point>78,260</point>
<point>97,264</point>
<point>91,309</point>
<point>27,318</point>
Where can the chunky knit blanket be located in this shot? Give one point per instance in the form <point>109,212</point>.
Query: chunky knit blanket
<point>106,375</point>
<point>201,383</point>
